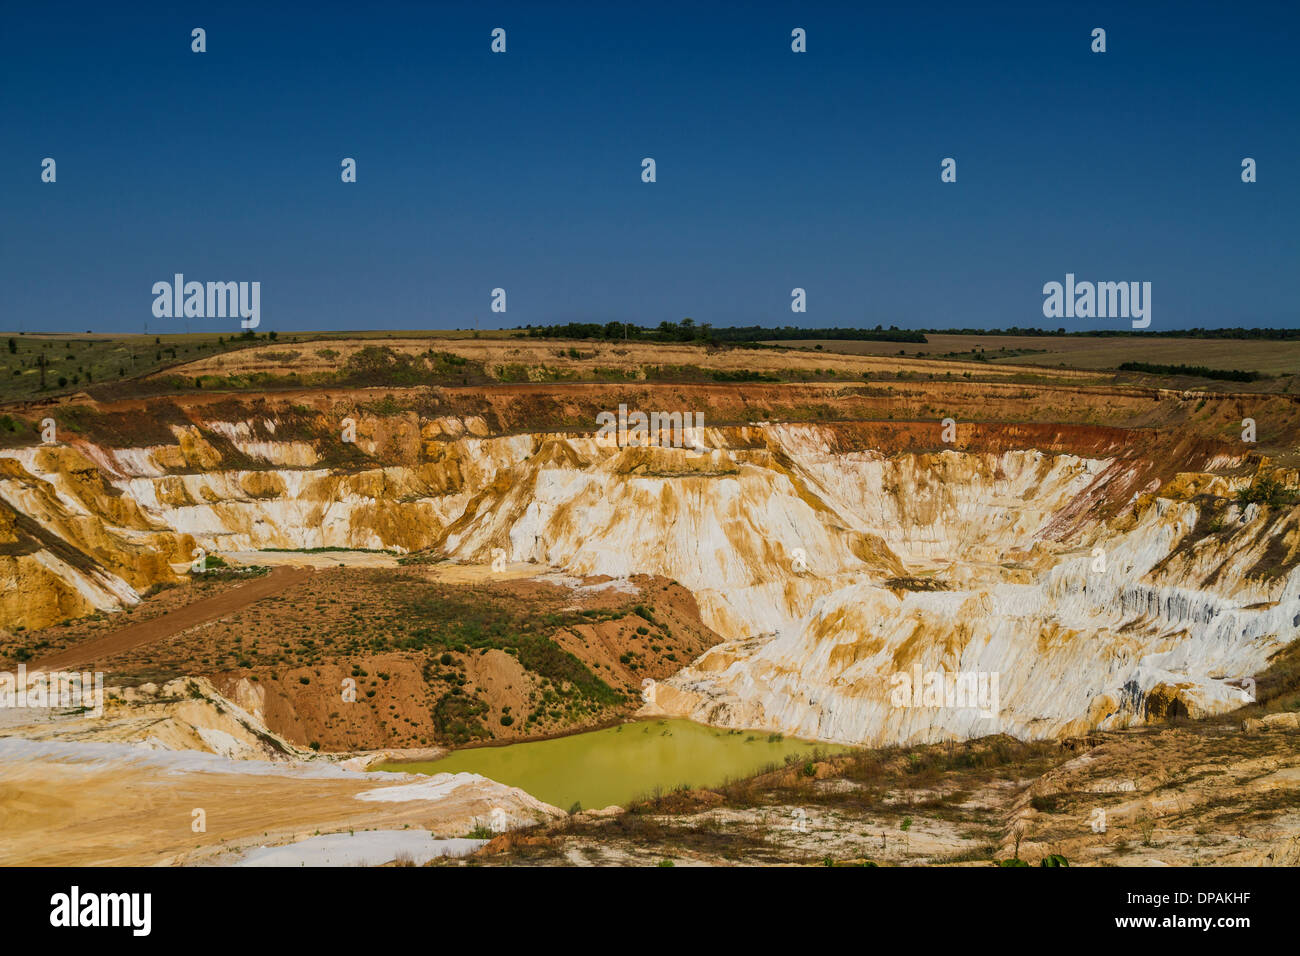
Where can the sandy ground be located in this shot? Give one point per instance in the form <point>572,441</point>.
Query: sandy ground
<point>370,848</point>
<point>483,573</point>
<point>76,804</point>
<point>447,572</point>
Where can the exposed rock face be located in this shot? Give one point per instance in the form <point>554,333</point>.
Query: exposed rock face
<point>1160,618</point>
<point>72,543</point>
<point>833,557</point>
<point>187,714</point>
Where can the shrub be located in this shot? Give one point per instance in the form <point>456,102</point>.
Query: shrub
<point>1265,491</point>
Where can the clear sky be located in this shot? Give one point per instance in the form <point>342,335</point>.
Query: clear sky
<point>522,170</point>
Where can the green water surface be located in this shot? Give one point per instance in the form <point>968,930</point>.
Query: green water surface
<point>623,763</point>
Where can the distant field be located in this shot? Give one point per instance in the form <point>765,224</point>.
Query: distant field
<point>76,361</point>
<point>1272,358</point>
<point>138,365</point>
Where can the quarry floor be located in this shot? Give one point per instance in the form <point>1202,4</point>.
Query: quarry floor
<point>140,633</point>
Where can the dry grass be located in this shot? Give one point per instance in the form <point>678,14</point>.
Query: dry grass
<point>1081,352</point>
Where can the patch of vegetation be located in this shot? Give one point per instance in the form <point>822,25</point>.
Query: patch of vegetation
<point>1199,371</point>
<point>223,572</point>
<point>441,620</point>
<point>285,356</point>
<point>381,365</point>
<point>458,717</point>
<point>1266,490</point>
<point>911,583</point>
<point>744,375</point>
<point>329,550</point>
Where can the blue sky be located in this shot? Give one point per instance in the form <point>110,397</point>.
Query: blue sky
<point>523,170</point>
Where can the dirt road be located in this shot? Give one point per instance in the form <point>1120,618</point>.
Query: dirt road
<point>200,612</point>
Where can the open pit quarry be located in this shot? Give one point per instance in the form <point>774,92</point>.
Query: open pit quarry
<point>1106,557</point>
<point>1099,574</point>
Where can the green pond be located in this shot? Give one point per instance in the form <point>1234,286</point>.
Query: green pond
<point>620,764</point>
